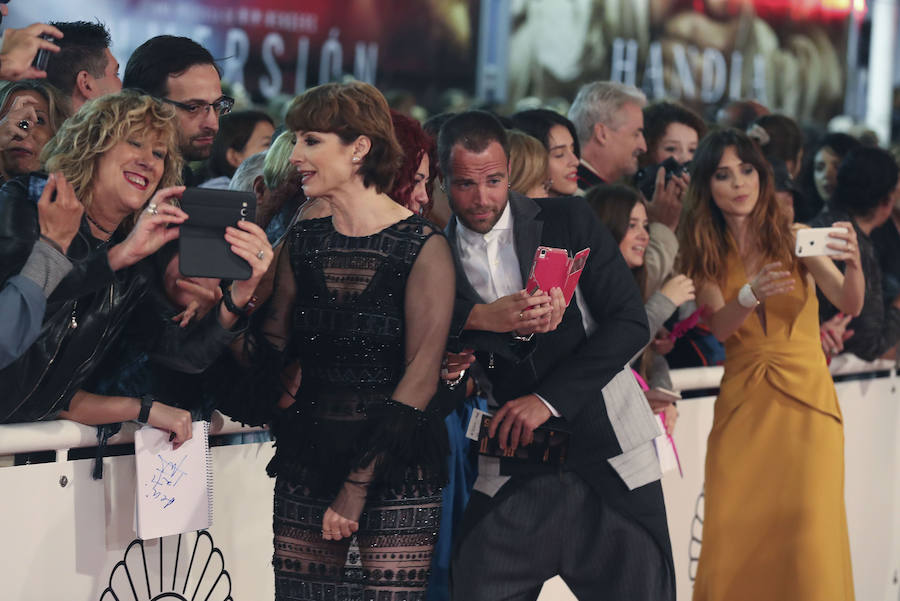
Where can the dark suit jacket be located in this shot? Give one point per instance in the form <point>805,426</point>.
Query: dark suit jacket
<point>565,367</point>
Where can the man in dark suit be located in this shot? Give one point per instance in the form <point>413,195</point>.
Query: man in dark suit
<point>605,538</point>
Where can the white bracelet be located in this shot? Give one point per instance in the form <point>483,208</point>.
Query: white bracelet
<point>746,298</point>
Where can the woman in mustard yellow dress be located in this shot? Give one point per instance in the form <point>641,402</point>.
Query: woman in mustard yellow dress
<point>775,526</point>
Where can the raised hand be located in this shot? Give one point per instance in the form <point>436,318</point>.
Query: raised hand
<point>59,217</point>
<point>249,242</point>
<point>771,280</point>
<point>18,121</point>
<point>679,289</point>
<point>665,206</point>
<point>152,231</point>
<point>846,242</point>
<point>20,47</point>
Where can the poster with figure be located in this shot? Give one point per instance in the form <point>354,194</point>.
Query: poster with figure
<point>791,56</point>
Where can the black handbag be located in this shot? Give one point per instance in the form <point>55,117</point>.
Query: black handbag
<point>203,251</point>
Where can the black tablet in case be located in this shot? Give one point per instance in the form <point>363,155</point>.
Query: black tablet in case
<point>203,251</point>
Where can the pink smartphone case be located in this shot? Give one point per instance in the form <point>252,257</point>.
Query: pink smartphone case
<point>553,268</point>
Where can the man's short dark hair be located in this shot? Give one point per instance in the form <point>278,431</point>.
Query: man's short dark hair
<point>151,64</point>
<point>475,130</point>
<point>81,49</point>
<point>865,180</point>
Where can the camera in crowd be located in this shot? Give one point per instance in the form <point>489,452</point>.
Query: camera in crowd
<point>645,178</point>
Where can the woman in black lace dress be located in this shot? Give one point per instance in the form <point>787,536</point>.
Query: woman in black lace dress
<point>362,303</point>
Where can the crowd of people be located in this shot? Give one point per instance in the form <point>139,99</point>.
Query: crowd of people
<point>388,299</point>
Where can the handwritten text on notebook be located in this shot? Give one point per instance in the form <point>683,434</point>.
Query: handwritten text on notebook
<point>165,480</point>
<point>173,486</point>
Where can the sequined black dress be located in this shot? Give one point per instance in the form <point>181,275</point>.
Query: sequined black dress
<point>367,318</point>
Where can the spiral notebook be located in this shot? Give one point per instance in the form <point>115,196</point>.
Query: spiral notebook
<point>174,487</point>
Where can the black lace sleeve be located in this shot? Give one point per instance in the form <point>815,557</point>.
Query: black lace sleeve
<point>405,436</point>
<point>257,364</point>
<point>428,306</point>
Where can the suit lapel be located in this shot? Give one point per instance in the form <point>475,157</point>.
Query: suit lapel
<point>527,230</point>
<point>463,285</point>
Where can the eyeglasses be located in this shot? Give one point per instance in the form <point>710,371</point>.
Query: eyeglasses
<point>222,106</point>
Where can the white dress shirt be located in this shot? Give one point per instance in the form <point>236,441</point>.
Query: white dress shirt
<point>489,260</point>
<point>491,264</point>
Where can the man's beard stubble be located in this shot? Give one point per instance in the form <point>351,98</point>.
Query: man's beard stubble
<point>190,152</point>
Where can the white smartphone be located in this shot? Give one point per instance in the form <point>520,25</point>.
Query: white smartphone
<point>813,241</point>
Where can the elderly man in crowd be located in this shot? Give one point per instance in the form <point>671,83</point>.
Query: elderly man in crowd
<point>609,121</point>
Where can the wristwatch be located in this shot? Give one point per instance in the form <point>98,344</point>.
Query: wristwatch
<point>746,297</point>
<point>147,401</point>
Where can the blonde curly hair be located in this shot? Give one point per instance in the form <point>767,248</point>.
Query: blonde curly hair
<point>98,126</point>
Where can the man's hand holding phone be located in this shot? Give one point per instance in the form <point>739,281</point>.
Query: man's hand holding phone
<point>517,312</point>
<point>549,322</point>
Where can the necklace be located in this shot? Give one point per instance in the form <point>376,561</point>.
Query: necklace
<point>98,226</point>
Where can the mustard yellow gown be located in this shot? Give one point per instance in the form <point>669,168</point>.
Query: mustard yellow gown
<point>775,525</point>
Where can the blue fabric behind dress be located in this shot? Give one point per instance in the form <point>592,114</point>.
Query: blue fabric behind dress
<point>463,471</point>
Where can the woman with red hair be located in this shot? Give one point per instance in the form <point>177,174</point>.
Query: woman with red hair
<point>415,179</point>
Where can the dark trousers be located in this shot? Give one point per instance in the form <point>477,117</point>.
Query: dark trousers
<point>552,525</point>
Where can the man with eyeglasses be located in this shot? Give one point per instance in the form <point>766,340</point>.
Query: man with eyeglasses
<point>183,73</point>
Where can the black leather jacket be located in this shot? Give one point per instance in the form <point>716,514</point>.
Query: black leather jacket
<point>84,315</point>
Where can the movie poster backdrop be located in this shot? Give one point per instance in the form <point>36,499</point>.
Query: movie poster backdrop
<point>281,47</point>
<point>787,54</point>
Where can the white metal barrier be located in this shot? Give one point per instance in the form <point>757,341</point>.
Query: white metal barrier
<point>64,535</point>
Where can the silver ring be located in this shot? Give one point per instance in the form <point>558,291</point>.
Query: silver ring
<point>152,209</point>
<point>23,124</point>
<point>261,255</point>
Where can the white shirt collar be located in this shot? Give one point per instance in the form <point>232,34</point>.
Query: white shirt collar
<point>590,167</point>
